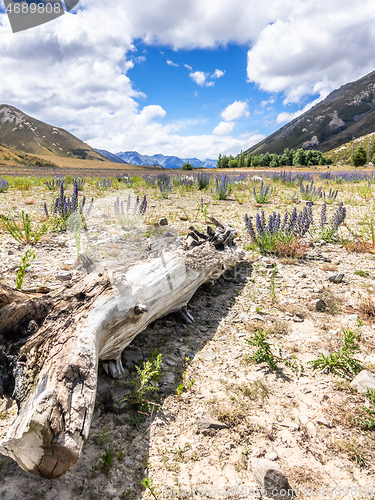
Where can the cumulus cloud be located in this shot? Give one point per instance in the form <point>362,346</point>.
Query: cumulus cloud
<point>313,49</point>
<point>199,77</point>
<point>286,117</point>
<point>235,111</point>
<point>218,73</point>
<point>224,128</point>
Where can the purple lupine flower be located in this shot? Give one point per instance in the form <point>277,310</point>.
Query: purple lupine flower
<point>250,227</point>
<point>323,216</point>
<point>143,206</point>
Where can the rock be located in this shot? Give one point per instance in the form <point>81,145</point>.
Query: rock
<point>352,317</point>
<point>209,355</point>
<point>363,381</point>
<point>130,358</point>
<point>63,276</point>
<point>208,422</point>
<point>317,305</point>
<point>169,324</point>
<point>271,479</point>
<point>325,422</point>
<point>297,319</point>
<point>336,278</point>
<point>271,456</point>
<point>163,222</point>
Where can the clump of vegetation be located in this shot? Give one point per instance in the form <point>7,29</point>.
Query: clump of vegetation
<point>264,194</point>
<point>263,353</point>
<point>280,235</point>
<point>359,157</point>
<point>327,230</point>
<point>24,232</point>
<point>164,184</point>
<point>310,192</point>
<point>3,185</point>
<point>105,183</point>
<point>25,263</point>
<point>55,183</point>
<point>128,215</point>
<point>367,421</point>
<point>341,362</point>
<point>203,181</point>
<point>222,189</point>
<point>64,207</point>
<point>146,384</point>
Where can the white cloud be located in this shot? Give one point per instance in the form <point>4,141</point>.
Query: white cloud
<point>199,77</point>
<point>313,48</point>
<point>224,128</point>
<point>171,63</point>
<point>235,111</point>
<point>218,73</point>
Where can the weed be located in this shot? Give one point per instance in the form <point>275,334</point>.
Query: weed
<point>264,194</point>
<point>106,461</point>
<point>165,185</point>
<point>103,436</point>
<point>368,420</point>
<point>362,274</point>
<point>366,306</point>
<point>222,189</point>
<point>129,216</point>
<point>146,383</point>
<point>341,362</point>
<point>185,386</point>
<point>355,451</point>
<point>263,352</point>
<point>24,233</point>
<point>25,263</point>
<point>148,484</point>
<point>3,185</point>
<point>203,181</point>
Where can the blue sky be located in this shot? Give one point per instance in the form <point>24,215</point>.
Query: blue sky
<point>188,78</point>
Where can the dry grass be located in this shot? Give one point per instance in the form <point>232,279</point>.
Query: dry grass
<point>366,307</point>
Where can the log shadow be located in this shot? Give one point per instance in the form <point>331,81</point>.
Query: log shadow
<point>114,459</point>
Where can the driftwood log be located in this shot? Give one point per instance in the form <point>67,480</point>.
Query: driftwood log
<point>54,341</point>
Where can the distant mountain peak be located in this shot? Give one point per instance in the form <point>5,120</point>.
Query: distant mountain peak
<point>135,158</point>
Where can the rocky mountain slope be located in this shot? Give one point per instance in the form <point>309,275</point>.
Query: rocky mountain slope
<point>20,131</point>
<point>345,113</point>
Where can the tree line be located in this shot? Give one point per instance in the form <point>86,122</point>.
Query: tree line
<point>289,158</point>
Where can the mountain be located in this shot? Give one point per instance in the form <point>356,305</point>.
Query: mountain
<point>135,158</point>
<point>24,133</point>
<point>345,113</point>
<point>110,156</point>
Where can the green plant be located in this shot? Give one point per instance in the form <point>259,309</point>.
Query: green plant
<point>264,194</point>
<point>106,461</point>
<point>363,274</point>
<point>25,263</point>
<point>148,376</point>
<point>24,233</point>
<point>341,362</point>
<point>263,352</point>
<point>368,421</point>
<point>103,436</point>
<point>148,484</point>
<point>185,386</point>
<point>273,284</point>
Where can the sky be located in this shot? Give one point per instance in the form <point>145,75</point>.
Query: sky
<point>191,78</point>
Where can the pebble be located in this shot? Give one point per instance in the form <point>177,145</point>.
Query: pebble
<point>63,276</point>
<point>271,456</point>
<point>336,278</point>
<point>209,355</point>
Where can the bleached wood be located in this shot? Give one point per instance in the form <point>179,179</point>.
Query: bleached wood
<point>93,320</point>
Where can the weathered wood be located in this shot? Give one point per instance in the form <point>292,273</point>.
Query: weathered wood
<point>55,371</point>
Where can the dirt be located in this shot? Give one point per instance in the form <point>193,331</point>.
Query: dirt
<point>305,420</point>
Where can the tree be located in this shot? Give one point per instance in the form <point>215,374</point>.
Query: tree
<point>187,166</point>
<point>359,157</point>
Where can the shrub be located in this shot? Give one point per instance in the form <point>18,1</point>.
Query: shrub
<point>281,236</point>
<point>264,194</point>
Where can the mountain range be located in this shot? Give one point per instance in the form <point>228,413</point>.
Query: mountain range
<point>135,158</point>
<point>345,113</point>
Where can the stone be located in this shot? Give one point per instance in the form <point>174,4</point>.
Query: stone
<point>191,242</point>
<point>325,422</point>
<point>363,381</point>
<point>317,305</point>
<point>271,456</point>
<point>336,278</point>
<point>352,317</point>
<point>163,222</point>
<point>209,355</point>
<point>208,422</point>
<point>271,479</point>
<point>298,319</point>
